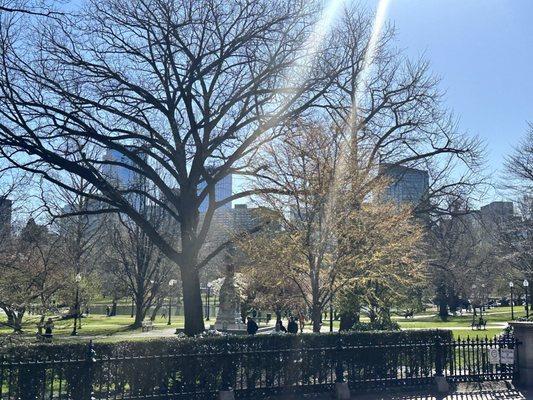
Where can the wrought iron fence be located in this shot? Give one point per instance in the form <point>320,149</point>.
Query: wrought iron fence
<point>251,373</point>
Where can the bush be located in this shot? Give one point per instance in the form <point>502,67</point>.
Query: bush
<point>204,365</point>
<point>368,335</point>
<point>376,326</point>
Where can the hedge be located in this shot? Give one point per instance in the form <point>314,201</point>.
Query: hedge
<point>223,343</point>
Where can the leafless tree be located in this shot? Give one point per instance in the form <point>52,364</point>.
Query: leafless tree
<point>75,219</point>
<point>28,7</point>
<point>516,235</point>
<point>137,262</point>
<point>32,272</point>
<point>462,253</point>
<point>187,92</point>
<point>520,164</point>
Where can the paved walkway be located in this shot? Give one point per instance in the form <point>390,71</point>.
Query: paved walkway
<point>464,391</point>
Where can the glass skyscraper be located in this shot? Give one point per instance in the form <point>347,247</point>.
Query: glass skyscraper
<point>407,185</point>
<point>223,190</point>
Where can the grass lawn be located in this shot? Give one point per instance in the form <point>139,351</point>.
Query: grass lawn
<point>112,329</point>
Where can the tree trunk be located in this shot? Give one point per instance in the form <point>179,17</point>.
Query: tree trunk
<point>192,296</point>
<point>140,313</point>
<point>192,301</point>
<point>278,315</point>
<point>17,322</point>
<point>10,317</point>
<point>443,309</point>
<point>316,314</point>
<point>114,307</point>
<point>156,309</point>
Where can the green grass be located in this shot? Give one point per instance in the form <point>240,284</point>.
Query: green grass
<point>114,329</point>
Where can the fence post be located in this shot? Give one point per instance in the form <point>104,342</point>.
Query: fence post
<point>523,334</point>
<point>90,359</point>
<point>342,390</point>
<point>226,391</point>
<point>440,379</point>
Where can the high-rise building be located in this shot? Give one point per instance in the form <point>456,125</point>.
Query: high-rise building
<point>498,209</point>
<point>223,190</point>
<point>6,209</point>
<point>120,175</point>
<point>407,185</point>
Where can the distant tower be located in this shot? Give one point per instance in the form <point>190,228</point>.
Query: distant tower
<point>223,190</point>
<point>6,209</point>
<point>119,175</point>
<point>407,185</point>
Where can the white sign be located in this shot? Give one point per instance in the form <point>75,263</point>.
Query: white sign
<point>494,356</point>
<point>507,356</point>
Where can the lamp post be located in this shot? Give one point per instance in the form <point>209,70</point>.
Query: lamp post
<point>511,286</point>
<point>208,294</point>
<point>473,304</point>
<point>526,284</point>
<point>482,308</point>
<point>171,283</point>
<point>76,305</point>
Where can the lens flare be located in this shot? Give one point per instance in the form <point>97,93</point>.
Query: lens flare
<point>311,47</point>
<point>368,59</point>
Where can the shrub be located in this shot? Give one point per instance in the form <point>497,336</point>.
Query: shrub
<point>376,326</point>
<point>204,365</point>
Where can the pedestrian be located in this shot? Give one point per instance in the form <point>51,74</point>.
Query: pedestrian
<point>301,320</point>
<point>48,330</point>
<point>292,326</point>
<point>251,326</point>
<point>279,326</point>
<point>107,310</point>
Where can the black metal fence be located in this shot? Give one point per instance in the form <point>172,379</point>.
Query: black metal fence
<point>251,373</point>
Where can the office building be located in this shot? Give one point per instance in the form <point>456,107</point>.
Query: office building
<point>6,210</point>
<point>223,190</point>
<point>406,185</point>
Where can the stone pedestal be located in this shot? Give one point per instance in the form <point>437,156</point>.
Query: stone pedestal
<point>342,391</point>
<point>226,395</point>
<point>229,308</point>
<point>523,332</point>
<point>442,384</point>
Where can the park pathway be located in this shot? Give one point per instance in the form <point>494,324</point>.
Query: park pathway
<point>464,391</point>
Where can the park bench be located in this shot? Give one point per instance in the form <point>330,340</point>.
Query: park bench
<point>479,324</point>
<point>147,326</point>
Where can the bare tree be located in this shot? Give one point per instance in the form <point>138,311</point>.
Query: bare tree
<point>32,272</point>
<point>138,263</point>
<point>74,216</point>
<point>28,7</point>
<point>187,88</point>
<point>520,164</point>
<point>462,253</point>
<point>516,235</point>
<point>187,92</point>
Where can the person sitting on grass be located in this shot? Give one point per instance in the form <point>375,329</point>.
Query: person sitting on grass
<point>292,327</point>
<point>48,328</point>
<point>279,326</point>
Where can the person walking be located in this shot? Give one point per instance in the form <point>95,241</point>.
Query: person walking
<point>251,326</point>
<point>301,321</point>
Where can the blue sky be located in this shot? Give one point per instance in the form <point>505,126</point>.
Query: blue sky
<point>483,52</point>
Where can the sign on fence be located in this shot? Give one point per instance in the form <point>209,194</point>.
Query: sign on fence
<point>507,356</point>
<point>494,355</point>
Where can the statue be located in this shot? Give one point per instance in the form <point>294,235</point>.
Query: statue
<point>229,308</point>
